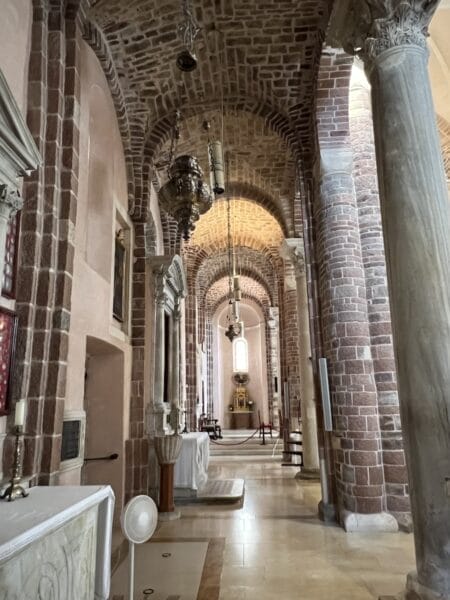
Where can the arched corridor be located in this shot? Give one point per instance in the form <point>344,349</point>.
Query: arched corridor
<point>225,259</point>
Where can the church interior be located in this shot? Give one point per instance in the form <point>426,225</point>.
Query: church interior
<point>225,299</point>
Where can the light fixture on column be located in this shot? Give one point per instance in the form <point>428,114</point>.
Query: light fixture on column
<point>185,196</point>
<point>188,30</point>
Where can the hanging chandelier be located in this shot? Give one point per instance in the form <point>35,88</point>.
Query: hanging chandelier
<point>185,196</point>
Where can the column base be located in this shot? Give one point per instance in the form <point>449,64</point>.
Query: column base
<point>308,474</point>
<point>169,516</point>
<point>327,512</point>
<point>360,523</point>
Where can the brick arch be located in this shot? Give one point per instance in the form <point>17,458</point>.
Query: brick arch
<point>96,40</point>
<point>262,157</point>
<point>272,117</point>
<point>199,263</point>
<point>261,51</point>
<point>216,300</point>
<point>252,226</point>
<point>245,272</point>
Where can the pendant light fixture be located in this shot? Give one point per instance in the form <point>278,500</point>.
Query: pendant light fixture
<point>235,326</point>
<point>188,30</point>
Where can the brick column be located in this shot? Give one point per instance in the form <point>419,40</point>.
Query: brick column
<point>372,250</point>
<point>44,278</point>
<point>346,344</point>
<point>289,347</point>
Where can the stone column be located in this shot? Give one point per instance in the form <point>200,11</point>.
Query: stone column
<point>158,385</point>
<point>346,344</point>
<point>310,446</point>
<point>416,225</point>
<point>175,365</point>
<point>159,411</point>
<point>10,204</point>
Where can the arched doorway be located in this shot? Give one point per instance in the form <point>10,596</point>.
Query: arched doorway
<point>224,369</point>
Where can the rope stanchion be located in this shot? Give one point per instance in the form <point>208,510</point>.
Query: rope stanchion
<point>235,443</point>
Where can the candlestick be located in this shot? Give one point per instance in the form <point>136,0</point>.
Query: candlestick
<point>15,489</point>
<point>19,417</point>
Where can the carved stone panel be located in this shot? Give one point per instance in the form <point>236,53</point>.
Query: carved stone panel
<point>60,566</point>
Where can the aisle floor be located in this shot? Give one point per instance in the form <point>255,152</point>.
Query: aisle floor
<point>275,547</point>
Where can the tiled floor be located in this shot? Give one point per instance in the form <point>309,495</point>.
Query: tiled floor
<point>276,548</point>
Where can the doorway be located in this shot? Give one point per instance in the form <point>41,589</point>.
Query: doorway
<point>104,407</point>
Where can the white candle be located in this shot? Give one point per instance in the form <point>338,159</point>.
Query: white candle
<point>19,417</point>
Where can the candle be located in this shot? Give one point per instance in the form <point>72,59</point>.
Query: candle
<point>19,417</point>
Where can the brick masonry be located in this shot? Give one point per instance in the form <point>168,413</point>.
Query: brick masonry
<point>372,247</point>
<point>46,250</point>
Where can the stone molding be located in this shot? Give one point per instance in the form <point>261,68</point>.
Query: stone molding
<point>18,152</point>
<point>170,279</point>
<point>369,27</point>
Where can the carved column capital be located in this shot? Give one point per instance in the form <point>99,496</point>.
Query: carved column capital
<point>369,27</point>
<point>10,201</point>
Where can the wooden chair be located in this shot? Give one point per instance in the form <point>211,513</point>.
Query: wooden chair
<point>210,426</point>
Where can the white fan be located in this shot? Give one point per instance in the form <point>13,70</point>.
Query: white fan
<point>139,519</point>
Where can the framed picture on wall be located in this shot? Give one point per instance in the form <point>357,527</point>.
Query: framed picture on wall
<point>8,326</point>
<point>119,279</point>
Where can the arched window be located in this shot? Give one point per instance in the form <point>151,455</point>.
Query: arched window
<point>240,355</point>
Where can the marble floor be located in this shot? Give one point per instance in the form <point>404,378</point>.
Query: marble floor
<point>274,547</point>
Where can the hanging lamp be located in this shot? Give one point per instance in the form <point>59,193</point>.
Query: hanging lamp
<point>235,326</point>
<point>188,30</point>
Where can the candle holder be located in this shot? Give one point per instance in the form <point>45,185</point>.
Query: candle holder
<point>15,489</point>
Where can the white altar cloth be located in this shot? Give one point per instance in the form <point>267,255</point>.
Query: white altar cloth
<point>191,468</point>
<point>46,510</point>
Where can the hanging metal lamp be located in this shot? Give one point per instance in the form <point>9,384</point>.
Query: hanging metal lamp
<point>188,30</point>
<point>185,196</point>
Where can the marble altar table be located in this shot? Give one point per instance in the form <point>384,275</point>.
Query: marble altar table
<point>56,544</point>
<point>191,468</point>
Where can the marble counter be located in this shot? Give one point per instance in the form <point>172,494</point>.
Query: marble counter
<point>56,544</point>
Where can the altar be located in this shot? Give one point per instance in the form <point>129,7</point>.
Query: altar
<point>56,543</point>
<point>191,468</point>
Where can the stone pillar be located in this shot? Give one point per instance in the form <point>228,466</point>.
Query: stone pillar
<point>416,225</point>
<point>10,204</point>
<point>175,366</point>
<point>158,385</point>
<point>346,344</point>
<point>307,400</point>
